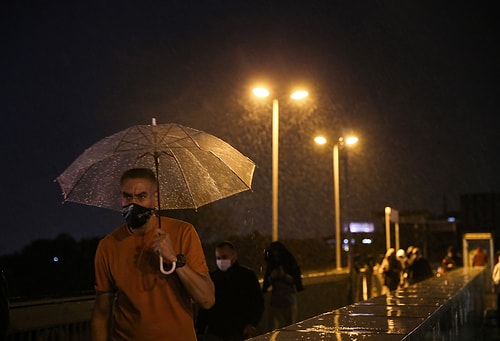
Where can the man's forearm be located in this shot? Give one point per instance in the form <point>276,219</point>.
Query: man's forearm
<point>199,286</point>
<point>99,329</point>
<point>100,322</point>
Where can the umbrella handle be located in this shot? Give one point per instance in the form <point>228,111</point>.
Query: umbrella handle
<point>163,271</point>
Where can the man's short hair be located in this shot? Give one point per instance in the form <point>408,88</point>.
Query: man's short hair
<point>139,173</point>
<point>226,243</point>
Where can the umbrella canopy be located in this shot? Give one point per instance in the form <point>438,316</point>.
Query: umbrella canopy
<point>193,168</point>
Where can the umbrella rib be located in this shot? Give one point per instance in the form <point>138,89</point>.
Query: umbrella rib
<point>191,137</point>
<point>123,140</point>
<point>172,154</point>
<point>188,135</point>
<point>232,170</point>
<point>183,176</point>
<point>66,196</point>
<point>159,141</point>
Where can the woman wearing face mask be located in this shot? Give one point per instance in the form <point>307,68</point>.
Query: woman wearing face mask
<point>239,302</point>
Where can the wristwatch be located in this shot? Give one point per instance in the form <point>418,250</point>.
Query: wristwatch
<point>181,261</point>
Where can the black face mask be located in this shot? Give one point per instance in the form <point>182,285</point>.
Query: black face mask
<point>136,215</point>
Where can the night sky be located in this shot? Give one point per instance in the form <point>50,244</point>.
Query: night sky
<point>416,81</point>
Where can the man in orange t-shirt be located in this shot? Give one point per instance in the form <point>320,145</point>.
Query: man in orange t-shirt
<point>134,299</point>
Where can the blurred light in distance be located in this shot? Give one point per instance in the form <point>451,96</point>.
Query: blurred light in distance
<point>361,227</point>
<point>351,140</point>
<point>299,94</point>
<point>320,140</point>
<point>260,92</point>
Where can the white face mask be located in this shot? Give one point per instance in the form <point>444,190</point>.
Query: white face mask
<point>223,264</point>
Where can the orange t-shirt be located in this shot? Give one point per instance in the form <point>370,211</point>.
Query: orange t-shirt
<point>148,305</point>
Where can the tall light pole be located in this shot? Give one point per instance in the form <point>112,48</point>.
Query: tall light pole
<point>387,212</point>
<point>391,215</point>
<point>336,187</point>
<point>297,95</point>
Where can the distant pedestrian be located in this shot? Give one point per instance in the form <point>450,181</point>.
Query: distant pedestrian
<point>450,260</point>
<point>496,282</point>
<point>420,269</point>
<point>284,276</point>
<point>391,270</point>
<point>479,258</point>
<point>239,302</point>
<point>404,259</point>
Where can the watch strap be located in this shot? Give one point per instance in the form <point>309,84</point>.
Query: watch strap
<point>181,261</point>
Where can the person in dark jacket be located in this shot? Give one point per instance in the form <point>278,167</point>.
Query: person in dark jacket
<point>284,276</point>
<point>239,302</point>
<point>450,260</point>
<point>420,269</point>
<point>392,270</point>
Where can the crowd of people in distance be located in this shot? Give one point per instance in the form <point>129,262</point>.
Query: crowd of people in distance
<point>401,268</point>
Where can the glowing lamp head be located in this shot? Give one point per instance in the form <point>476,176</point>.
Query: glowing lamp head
<point>299,94</point>
<point>351,140</point>
<point>261,92</point>
<point>320,140</point>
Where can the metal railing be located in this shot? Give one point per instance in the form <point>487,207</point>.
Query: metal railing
<point>437,308</point>
<point>68,318</point>
<point>61,319</point>
<point>440,308</point>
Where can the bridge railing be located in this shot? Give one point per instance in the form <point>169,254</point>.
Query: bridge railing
<point>439,308</point>
<point>68,318</point>
<point>65,319</point>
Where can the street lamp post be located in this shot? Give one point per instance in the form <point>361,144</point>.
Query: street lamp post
<point>391,215</point>
<point>297,95</point>
<point>387,211</point>
<point>336,188</point>
<point>276,140</point>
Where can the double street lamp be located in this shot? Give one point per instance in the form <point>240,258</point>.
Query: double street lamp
<point>336,186</point>
<point>297,95</point>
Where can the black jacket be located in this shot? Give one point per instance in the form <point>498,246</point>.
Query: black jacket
<point>238,302</point>
<point>420,270</point>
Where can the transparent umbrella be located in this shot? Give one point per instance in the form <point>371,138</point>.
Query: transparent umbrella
<point>193,168</point>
